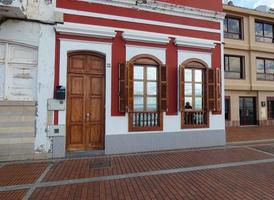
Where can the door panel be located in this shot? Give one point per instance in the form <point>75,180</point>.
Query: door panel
<point>85,113</point>
<point>248,115</point>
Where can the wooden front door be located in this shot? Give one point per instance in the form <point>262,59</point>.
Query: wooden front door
<point>85,102</point>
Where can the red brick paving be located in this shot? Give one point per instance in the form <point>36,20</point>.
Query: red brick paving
<point>14,174</point>
<point>243,182</point>
<point>12,195</point>
<point>269,148</point>
<point>79,168</point>
<point>241,134</point>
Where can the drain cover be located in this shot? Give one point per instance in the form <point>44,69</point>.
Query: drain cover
<point>98,163</point>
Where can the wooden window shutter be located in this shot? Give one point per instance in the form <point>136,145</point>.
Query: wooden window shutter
<point>163,87</point>
<point>122,87</point>
<point>218,91</point>
<point>130,87</point>
<point>211,89</point>
<point>182,88</point>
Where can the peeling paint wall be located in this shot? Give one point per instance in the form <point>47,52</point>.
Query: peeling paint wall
<point>34,45</point>
<point>40,9</point>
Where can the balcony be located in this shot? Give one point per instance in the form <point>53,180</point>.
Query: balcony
<point>11,8</point>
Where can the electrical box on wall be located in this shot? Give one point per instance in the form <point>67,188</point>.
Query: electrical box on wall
<point>56,130</point>
<point>55,104</point>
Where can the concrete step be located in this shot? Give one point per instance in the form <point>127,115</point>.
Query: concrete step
<point>16,118</point>
<point>17,124</point>
<point>18,129</point>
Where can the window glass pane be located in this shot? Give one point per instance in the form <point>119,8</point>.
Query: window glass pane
<point>198,89</point>
<point>151,88</point>
<point>188,102</point>
<point>260,66</point>
<point>151,103</point>
<point>151,73</point>
<point>259,29</point>
<point>188,89</point>
<point>138,72</point>
<point>269,66</point>
<point>138,88</point>
<point>268,40</point>
<point>225,25</point>
<point>188,75</point>
<point>234,25</point>
<point>233,75</point>
<point>198,75</point>
<point>261,76</point>
<point>138,103</point>
<point>269,77</point>
<point>268,30</point>
<point>198,103</point>
<point>226,63</point>
<point>235,64</point>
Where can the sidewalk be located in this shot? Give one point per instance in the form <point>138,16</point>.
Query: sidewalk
<point>232,172</point>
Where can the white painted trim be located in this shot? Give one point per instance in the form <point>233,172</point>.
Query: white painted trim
<point>85,32</point>
<point>145,38</point>
<point>136,20</point>
<point>133,35</point>
<point>199,43</point>
<point>165,8</point>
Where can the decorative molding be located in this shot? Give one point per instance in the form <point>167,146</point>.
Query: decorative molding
<point>83,31</point>
<point>133,35</point>
<point>145,38</point>
<point>201,43</point>
<point>136,20</point>
<point>165,8</point>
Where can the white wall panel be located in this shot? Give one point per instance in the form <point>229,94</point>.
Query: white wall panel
<point>22,54</point>
<point>21,82</point>
<point>2,79</point>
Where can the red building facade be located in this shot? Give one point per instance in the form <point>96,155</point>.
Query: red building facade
<point>140,75</point>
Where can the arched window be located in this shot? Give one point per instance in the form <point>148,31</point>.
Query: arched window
<point>199,93</point>
<point>146,93</point>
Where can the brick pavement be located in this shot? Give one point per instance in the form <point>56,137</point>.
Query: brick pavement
<point>243,134</point>
<point>73,169</point>
<point>23,173</point>
<point>244,172</point>
<point>243,182</point>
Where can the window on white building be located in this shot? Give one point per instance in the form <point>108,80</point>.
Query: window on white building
<point>18,72</point>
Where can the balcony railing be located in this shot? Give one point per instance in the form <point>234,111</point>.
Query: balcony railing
<point>194,119</point>
<point>145,121</point>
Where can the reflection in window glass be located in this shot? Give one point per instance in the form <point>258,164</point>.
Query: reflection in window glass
<point>234,67</point>
<point>138,88</point>
<point>265,69</point>
<point>259,29</point>
<point>269,66</point>
<point>151,103</point>
<point>145,87</point>
<point>188,89</point>
<point>198,75</point>
<point>193,89</point>
<point>198,89</point>
<point>151,88</point>
<point>268,30</point>
<point>138,72</point>
<point>188,100</point>
<point>234,25</point>
<point>188,75</point>
<point>235,64</point>
<point>138,103</point>
<point>260,66</point>
<point>198,103</point>
<point>151,73</point>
